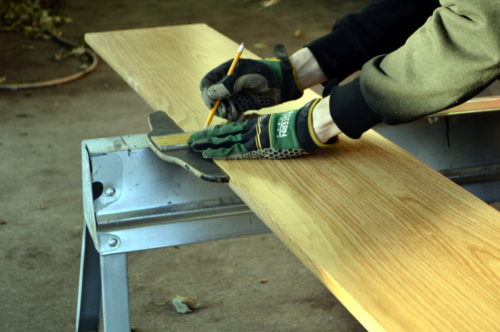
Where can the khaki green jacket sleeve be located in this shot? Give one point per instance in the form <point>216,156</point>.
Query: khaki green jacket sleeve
<point>451,57</point>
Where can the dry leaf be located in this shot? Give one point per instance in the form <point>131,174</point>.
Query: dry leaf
<point>185,304</point>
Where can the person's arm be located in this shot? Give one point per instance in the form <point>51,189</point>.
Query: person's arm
<point>450,58</point>
<point>380,27</point>
<point>309,74</point>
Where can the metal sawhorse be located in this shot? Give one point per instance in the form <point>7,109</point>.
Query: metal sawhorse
<point>135,201</point>
<point>132,200</point>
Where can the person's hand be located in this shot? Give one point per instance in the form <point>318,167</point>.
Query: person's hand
<point>255,84</point>
<point>270,136</point>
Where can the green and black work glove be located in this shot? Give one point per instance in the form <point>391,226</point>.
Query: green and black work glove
<point>255,84</point>
<point>270,136</point>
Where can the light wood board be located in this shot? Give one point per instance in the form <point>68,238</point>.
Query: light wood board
<point>475,105</point>
<point>401,246</point>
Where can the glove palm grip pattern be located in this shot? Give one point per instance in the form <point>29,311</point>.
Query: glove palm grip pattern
<point>271,136</point>
<point>255,84</point>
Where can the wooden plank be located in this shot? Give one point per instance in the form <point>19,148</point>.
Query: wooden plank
<point>475,105</point>
<point>401,246</point>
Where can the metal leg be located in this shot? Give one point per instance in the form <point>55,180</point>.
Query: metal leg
<point>89,288</point>
<point>115,305</point>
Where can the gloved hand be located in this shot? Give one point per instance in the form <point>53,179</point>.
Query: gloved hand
<point>270,136</point>
<point>255,84</point>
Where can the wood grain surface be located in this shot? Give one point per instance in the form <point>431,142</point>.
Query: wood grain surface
<point>401,246</point>
<point>475,105</point>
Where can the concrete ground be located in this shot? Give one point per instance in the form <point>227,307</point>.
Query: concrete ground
<point>40,185</point>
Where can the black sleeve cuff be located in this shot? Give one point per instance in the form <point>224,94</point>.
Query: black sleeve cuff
<point>349,110</point>
<point>337,62</point>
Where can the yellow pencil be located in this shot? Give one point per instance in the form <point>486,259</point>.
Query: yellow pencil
<point>229,72</point>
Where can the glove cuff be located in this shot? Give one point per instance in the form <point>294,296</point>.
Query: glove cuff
<point>305,130</point>
<point>291,88</point>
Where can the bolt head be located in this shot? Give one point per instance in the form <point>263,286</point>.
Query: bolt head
<point>113,242</point>
<point>110,191</point>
